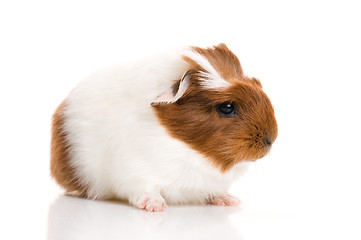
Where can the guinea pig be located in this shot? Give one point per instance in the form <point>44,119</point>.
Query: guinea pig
<point>176,128</point>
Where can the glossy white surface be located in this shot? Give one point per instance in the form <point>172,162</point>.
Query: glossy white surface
<point>307,55</point>
<point>73,218</point>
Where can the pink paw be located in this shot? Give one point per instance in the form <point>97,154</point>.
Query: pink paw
<point>152,203</point>
<point>226,200</point>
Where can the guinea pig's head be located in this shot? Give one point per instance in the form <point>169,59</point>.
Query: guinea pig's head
<point>217,110</point>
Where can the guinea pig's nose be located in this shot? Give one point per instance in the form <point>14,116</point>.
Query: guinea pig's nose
<point>267,142</point>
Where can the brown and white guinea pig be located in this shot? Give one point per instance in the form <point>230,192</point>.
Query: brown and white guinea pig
<point>173,129</point>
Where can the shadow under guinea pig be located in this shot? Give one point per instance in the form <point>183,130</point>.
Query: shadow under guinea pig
<point>74,218</point>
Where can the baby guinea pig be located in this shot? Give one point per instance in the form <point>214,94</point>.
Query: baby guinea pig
<point>176,128</point>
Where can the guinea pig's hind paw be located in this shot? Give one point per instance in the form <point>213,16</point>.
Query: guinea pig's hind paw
<point>152,202</point>
<point>225,200</point>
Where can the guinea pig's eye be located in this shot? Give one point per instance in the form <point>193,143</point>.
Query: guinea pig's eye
<point>226,109</point>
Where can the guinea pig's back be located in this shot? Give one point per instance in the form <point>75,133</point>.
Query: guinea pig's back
<point>106,122</point>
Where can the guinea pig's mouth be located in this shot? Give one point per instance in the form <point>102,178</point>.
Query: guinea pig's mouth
<point>255,147</point>
<point>262,155</point>
<point>258,153</point>
<point>266,149</point>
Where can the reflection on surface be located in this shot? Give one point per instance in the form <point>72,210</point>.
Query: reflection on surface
<point>74,218</point>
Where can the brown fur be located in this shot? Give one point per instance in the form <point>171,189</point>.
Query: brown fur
<point>60,167</point>
<point>194,118</point>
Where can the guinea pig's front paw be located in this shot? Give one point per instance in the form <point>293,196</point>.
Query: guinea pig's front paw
<point>225,200</point>
<point>152,202</point>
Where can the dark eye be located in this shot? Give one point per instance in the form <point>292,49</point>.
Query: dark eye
<point>226,109</point>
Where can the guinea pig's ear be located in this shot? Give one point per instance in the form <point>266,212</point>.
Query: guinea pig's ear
<point>256,82</point>
<point>223,45</point>
<point>175,92</point>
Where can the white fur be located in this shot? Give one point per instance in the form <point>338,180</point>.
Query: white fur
<point>119,148</point>
<point>212,79</point>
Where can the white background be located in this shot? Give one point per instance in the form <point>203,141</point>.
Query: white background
<point>307,54</point>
